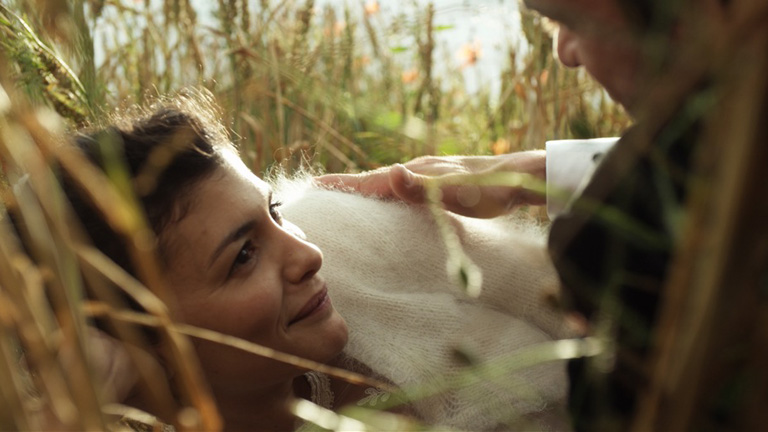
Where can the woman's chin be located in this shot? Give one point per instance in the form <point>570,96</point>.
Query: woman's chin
<point>337,335</point>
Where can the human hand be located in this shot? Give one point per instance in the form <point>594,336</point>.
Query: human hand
<point>408,182</point>
<point>113,370</point>
<point>112,374</point>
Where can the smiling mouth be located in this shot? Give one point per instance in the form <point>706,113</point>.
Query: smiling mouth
<point>317,303</point>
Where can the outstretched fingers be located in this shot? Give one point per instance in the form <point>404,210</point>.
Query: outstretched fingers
<point>408,182</point>
<point>368,183</point>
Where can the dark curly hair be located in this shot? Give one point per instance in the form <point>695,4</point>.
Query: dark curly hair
<point>164,150</point>
<point>155,156</point>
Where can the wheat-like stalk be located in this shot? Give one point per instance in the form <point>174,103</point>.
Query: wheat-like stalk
<point>41,69</point>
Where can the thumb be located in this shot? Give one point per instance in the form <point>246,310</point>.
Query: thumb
<point>113,367</point>
<point>407,185</point>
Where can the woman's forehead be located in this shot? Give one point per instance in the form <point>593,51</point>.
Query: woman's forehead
<point>233,186</point>
<point>231,161</point>
<point>229,197</point>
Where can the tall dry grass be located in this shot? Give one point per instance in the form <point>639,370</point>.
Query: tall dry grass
<point>331,86</point>
<point>300,86</point>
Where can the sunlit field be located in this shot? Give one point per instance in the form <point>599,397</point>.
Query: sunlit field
<point>342,88</point>
<point>318,88</point>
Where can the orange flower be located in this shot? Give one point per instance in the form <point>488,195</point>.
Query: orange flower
<point>410,76</point>
<point>544,77</point>
<point>501,146</point>
<point>362,61</point>
<point>372,7</point>
<point>469,53</point>
<point>520,91</point>
<point>339,27</point>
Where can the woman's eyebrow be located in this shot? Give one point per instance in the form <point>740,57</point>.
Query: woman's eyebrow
<point>233,236</point>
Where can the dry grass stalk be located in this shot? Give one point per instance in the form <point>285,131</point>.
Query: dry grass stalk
<point>52,239</point>
<point>284,82</point>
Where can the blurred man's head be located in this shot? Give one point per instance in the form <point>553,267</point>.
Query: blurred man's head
<point>604,36</point>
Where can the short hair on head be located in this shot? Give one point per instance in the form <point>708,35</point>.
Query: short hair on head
<point>159,152</point>
<point>642,15</point>
<point>165,148</point>
<point>652,14</point>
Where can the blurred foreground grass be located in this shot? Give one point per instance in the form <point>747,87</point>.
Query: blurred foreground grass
<point>299,86</point>
<point>326,88</point>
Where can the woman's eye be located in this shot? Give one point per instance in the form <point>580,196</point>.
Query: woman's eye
<point>244,256</point>
<point>274,211</point>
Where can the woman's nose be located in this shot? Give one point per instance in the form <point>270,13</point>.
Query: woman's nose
<point>302,259</point>
<point>567,47</point>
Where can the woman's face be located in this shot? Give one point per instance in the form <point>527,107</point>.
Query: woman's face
<point>238,268</point>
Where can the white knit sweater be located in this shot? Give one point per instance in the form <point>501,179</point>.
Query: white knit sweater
<point>385,266</point>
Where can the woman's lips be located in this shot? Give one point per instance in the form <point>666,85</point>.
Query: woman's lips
<point>319,302</point>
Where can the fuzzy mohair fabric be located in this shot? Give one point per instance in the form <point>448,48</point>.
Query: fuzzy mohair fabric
<point>385,267</point>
